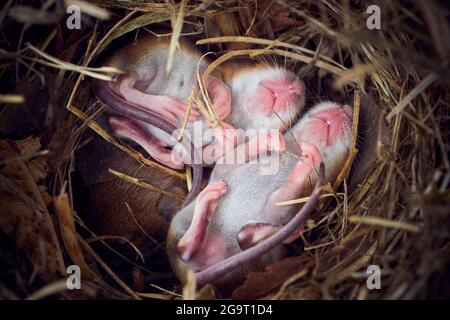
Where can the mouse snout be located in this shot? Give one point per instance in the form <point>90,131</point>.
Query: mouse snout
<point>332,120</point>
<point>326,125</point>
<point>336,114</point>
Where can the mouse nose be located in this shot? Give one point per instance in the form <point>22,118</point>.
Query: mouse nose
<point>283,86</point>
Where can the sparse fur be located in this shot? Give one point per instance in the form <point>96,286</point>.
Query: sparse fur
<point>248,193</point>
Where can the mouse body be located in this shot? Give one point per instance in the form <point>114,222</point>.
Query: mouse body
<point>262,96</point>
<point>243,95</point>
<point>237,210</point>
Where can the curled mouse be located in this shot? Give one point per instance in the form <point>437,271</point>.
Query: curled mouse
<point>260,96</point>
<point>237,209</point>
<point>120,208</point>
<point>149,104</point>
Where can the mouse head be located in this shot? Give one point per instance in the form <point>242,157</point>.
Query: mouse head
<point>266,97</point>
<point>328,127</point>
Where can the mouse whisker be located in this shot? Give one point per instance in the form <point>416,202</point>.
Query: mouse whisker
<point>290,132</point>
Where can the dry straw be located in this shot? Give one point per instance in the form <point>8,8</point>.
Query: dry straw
<point>396,216</point>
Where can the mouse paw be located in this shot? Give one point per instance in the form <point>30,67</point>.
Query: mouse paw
<point>254,232</point>
<point>177,109</point>
<point>208,200</point>
<point>212,192</point>
<point>205,205</point>
<point>171,108</point>
<point>310,159</point>
<point>220,97</point>
<point>310,154</point>
<point>225,140</point>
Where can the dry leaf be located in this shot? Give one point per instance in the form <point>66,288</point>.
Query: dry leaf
<point>24,213</point>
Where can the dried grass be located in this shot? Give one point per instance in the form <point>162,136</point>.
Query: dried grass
<point>396,218</point>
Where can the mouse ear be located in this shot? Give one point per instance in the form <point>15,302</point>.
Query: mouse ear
<point>254,232</point>
<point>220,95</point>
<point>205,205</point>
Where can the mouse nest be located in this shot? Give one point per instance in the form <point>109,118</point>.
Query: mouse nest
<point>388,211</point>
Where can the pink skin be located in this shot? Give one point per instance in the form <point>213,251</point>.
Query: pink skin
<point>263,143</point>
<point>325,125</point>
<point>207,200</point>
<point>322,129</point>
<point>220,97</point>
<point>252,233</point>
<point>205,205</point>
<point>275,95</point>
<point>225,135</point>
<point>226,140</point>
<point>213,250</point>
<point>173,110</point>
<point>170,108</point>
<point>298,177</point>
<point>129,129</point>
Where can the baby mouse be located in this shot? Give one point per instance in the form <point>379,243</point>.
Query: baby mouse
<point>253,95</point>
<point>147,87</point>
<point>237,210</point>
